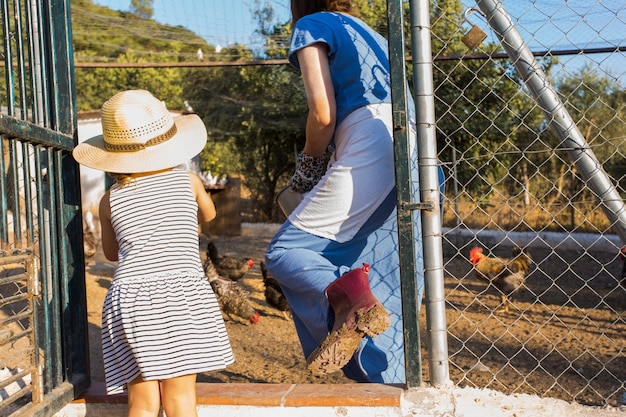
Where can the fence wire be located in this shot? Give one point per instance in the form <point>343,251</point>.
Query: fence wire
<point>511,184</point>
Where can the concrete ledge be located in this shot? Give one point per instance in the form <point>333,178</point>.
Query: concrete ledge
<point>346,400</point>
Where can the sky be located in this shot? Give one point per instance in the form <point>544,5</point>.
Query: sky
<point>219,22</point>
<point>543,24</point>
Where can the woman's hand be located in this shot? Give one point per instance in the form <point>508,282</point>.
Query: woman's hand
<point>309,171</point>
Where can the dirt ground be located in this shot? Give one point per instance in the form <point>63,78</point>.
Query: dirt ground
<point>266,352</point>
<point>571,311</point>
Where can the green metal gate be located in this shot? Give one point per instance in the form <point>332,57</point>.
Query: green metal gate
<point>43,338</point>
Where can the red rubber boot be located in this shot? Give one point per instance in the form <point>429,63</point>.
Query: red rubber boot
<point>357,314</point>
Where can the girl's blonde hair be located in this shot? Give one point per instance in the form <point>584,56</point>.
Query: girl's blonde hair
<point>123,180</point>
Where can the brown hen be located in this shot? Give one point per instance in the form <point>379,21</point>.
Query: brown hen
<point>228,266</point>
<point>506,274</point>
<point>273,292</point>
<point>231,296</point>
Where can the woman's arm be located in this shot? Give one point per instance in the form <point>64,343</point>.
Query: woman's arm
<point>206,208</point>
<point>110,246</point>
<point>321,119</point>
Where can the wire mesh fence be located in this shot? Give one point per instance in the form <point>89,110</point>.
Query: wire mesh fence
<point>514,184</point>
<point>511,183</point>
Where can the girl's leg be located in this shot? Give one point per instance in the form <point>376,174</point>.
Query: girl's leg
<point>179,396</point>
<point>143,398</point>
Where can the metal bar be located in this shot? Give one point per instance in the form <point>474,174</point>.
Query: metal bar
<point>429,192</point>
<point>29,132</point>
<point>12,398</point>
<point>13,278</point>
<point>560,120</point>
<point>406,242</point>
<point>45,341</point>
<point>16,317</point>
<point>61,94</point>
<point>8,54</point>
<point>4,201</point>
<point>62,102</point>
<point>13,298</point>
<point>17,336</point>
<point>35,48</point>
<point>12,259</point>
<point>28,194</point>
<point>55,360</point>
<point>21,65</point>
<point>15,190</point>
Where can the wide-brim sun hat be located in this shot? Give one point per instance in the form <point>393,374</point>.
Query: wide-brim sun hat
<point>139,134</point>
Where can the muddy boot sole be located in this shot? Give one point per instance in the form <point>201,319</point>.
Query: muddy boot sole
<point>336,350</point>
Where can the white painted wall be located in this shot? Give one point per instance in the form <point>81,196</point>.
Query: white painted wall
<point>92,181</point>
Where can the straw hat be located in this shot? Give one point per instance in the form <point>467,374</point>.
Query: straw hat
<point>140,135</point>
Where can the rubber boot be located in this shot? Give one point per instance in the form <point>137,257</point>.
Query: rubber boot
<point>357,314</point>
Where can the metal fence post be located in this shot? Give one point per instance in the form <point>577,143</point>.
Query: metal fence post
<point>408,281</point>
<point>429,192</point>
<point>430,215</point>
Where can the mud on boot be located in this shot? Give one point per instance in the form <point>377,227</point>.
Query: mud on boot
<point>357,314</point>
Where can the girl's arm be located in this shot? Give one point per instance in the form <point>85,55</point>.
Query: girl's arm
<point>110,246</point>
<point>206,208</point>
<point>320,125</point>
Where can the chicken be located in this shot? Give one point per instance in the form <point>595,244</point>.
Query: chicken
<point>228,266</point>
<point>506,274</point>
<point>231,296</point>
<point>273,292</point>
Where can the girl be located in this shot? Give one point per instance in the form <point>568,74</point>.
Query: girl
<point>161,323</point>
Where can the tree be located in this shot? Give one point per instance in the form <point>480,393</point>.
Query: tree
<point>255,115</point>
<point>142,8</point>
<point>596,104</point>
<point>483,109</point>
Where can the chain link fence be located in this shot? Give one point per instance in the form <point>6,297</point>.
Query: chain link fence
<point>512,182</point>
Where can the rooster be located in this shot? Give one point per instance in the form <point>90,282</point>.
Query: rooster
<point>273,292</point>
<point>231,296</point>
<point>228,266</point>
<point>507,275</point>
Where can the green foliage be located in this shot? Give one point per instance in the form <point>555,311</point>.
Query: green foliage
<point>142,8</point>
<point>256,115</point>
<point>104,35</point>
<point>596,103</point>
<point>96,85</point>
<point>487,122</point>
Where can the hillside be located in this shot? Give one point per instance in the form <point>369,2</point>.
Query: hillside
<point>101,34</point>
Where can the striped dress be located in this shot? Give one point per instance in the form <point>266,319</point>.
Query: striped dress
<point>160,318</point>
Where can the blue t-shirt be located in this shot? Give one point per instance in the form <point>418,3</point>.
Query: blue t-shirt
<point>357,55</point>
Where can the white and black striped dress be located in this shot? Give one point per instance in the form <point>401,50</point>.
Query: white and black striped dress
<point>160,318</point>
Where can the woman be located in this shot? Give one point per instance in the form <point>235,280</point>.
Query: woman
<point>346,224</point>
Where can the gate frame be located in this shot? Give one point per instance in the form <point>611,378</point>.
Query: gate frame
<point>44,124</point>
